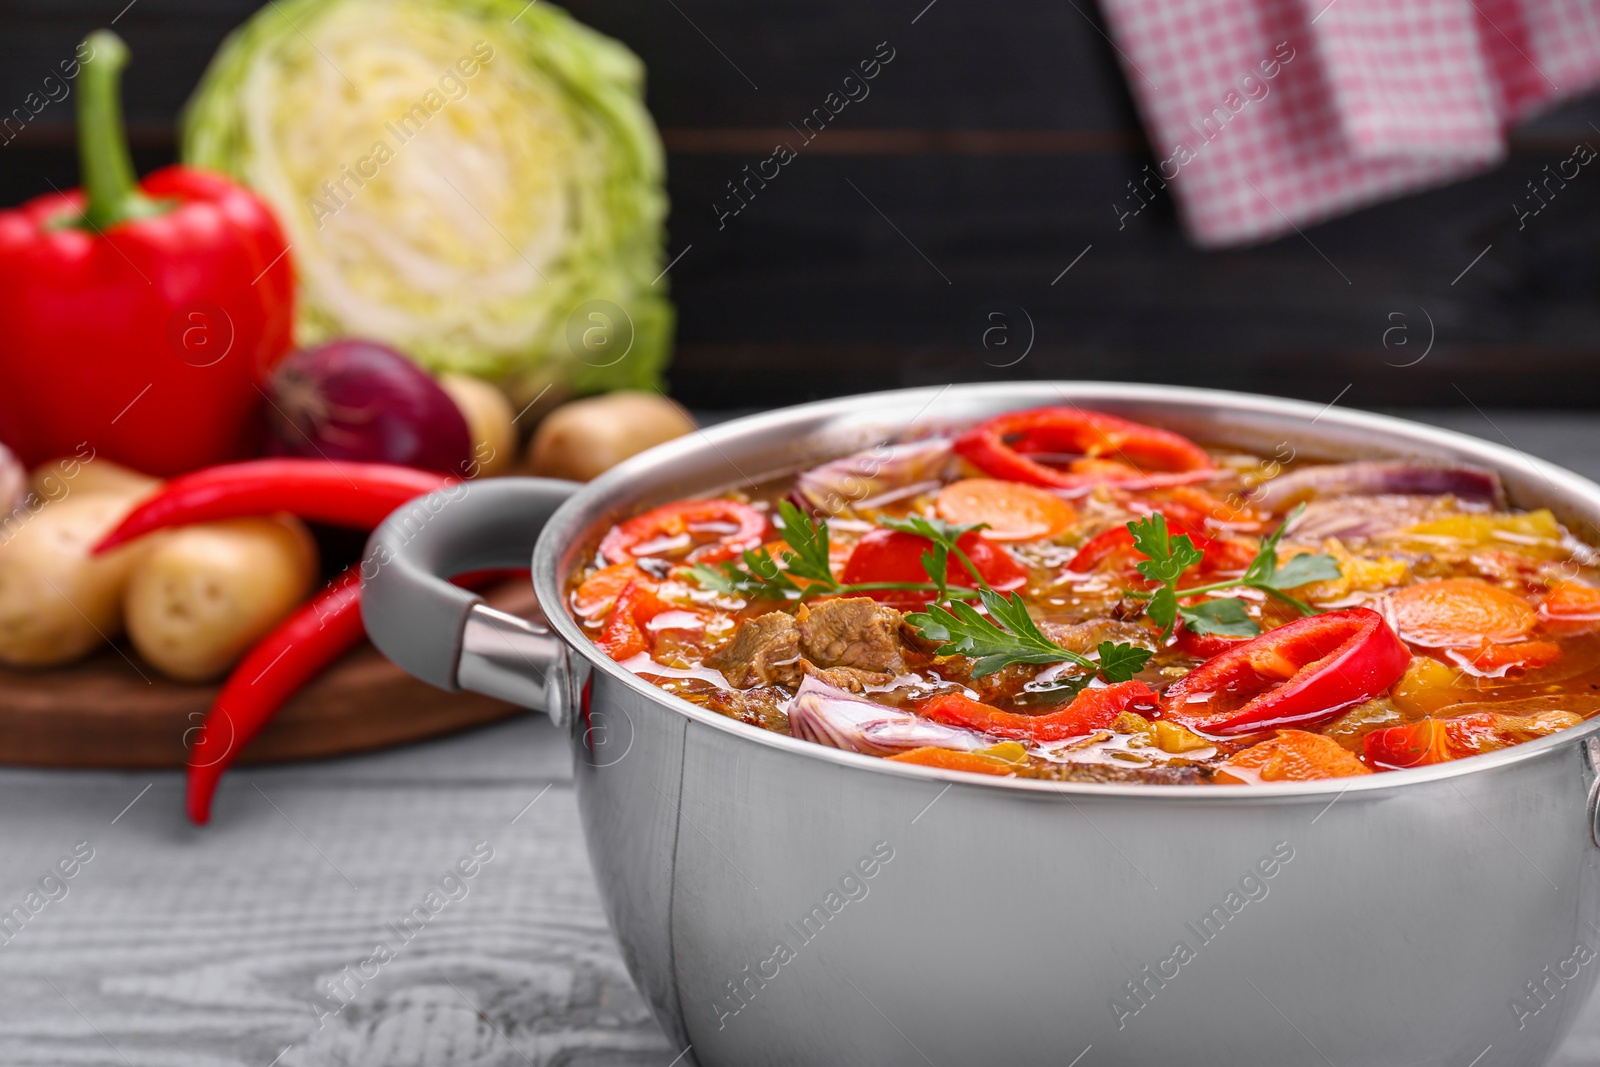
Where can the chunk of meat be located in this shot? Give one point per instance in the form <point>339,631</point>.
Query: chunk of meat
<point>852,632</point>
<point>1170,774</point>
<point>765,650</point>
<point>851,679</point>
<point>761,707</point>
<point>1084,637</point>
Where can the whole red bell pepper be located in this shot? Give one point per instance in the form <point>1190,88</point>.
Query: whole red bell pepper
<point>1299,675</point>
<point>139,317</point>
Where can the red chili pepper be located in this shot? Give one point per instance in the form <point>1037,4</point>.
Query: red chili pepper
<point>1301,674</point>
<point>1090,710</point>
<point>1115,451</point>
<point>895,556</point>
<point>730,526</point>
<point>340,492</point>
<point>296,651</point>
<point>139,318</point>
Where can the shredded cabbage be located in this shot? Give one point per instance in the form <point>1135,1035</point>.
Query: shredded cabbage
<point>476,182</point>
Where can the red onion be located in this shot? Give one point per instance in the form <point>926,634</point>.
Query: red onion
<point>1390,477</point>
<point>875,476</point>
<point>1362,518</point>
<point>829,716</point>
<point>362,400</point>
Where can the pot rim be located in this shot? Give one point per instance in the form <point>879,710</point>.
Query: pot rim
<point>575,520</point>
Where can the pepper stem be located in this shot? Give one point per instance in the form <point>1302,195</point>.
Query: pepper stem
<point>111,188</point>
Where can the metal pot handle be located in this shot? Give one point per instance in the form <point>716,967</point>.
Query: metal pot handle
<point>445,635</point>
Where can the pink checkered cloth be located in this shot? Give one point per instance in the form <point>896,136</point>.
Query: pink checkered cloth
<point>1267,115</point>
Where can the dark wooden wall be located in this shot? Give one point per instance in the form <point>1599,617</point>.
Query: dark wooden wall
<point>988,156</point>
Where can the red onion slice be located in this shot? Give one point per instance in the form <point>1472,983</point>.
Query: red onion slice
<point>875,476</point>
<point>1379,478</point>
<point>829,716</point>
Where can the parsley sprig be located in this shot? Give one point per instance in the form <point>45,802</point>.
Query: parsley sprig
<point>1169,556</point>
<point>1009,635</point>
<point>756,574</point>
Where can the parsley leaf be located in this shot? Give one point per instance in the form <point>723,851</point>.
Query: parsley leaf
<point>1119,663</point>
<point>1168,557</point>
<point>809,540</point>
<point>759,577</point>
<point>1225,616</point>
<point>1302,570</point>
<point>1009,635</point>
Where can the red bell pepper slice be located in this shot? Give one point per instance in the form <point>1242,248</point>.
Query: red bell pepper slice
<point>1114,450</point>
<point>895,556</point>
<point>1206,646</point>
<point>623,635</point>
<point>1090,710</point>
<point>1430,741</point>
<point>712,530</point>
<point>1301,674</point>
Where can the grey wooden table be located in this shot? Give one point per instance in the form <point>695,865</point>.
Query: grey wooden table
<point>256,941</point>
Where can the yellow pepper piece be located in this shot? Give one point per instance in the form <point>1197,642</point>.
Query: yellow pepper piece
<point>1010,751</point>
<point>1532,531</point>
<point>1131,722</point>
<point>1170,737</point>
<point>1429,687</point>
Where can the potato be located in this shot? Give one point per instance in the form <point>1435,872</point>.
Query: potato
<point>60,478</point>
<point>581,439</point>
<point>489,423</point>
<point>57,602</point>
<point>208,592</point>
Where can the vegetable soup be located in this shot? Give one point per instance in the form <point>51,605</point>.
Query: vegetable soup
<point>1065,594</point>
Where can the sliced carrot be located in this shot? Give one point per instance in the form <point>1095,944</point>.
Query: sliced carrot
<point>950,760</point>
<point>1292,756</point>
<point>1014,512</point>
<point>596,593</point>
<point>1460,613</point>
<point>1572,608</point>
<point>1519,655</point>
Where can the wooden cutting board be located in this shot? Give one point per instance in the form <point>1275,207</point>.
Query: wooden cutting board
<point>114,711</point>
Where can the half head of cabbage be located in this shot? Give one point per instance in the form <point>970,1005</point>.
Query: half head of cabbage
<point>474,181</point>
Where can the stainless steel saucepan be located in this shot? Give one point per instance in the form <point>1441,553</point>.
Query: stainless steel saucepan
<point>779,902</point>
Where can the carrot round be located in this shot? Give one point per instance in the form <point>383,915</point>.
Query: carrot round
<point>1518,655</point>
<point>1571,607</point>
<point>950,760</point>
<point>1013,511</point>
<point>1460,613</point>
<point>1293,756</point>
